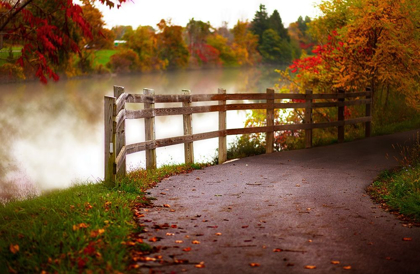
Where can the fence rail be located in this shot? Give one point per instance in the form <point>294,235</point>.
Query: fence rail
<point>116,114</point>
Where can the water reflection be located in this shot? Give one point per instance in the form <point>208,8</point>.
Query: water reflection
<point>52,135</point>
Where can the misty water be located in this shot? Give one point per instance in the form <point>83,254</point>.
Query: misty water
<point>52,135</point>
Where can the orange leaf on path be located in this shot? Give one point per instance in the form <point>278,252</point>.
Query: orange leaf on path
<point>277,250</point>
<point>335,262</point>
<point>200,265</point>
<point>310,266</point>
<point>407,239</point>
<point>254,264</point>
<point>187,249</point>
<point>347,267</point>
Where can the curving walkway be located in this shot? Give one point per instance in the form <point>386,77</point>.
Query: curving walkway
<point>282,212</point>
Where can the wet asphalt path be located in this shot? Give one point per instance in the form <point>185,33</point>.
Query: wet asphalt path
<point>282,212</point>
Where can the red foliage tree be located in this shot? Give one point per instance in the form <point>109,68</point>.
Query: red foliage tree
<point>48,30</point>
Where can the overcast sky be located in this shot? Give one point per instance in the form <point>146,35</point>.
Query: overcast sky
<point>150,12</point>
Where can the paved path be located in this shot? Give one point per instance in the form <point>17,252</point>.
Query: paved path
<point>311,204</point>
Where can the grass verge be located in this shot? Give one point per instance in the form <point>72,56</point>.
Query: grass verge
<point>103,56</point>
<point>84,228</point>
<point>399,190</point>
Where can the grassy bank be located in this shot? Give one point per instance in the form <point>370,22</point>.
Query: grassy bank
<point>85,227</point>
<point>399,190</point>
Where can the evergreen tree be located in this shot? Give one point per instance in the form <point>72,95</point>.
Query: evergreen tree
<point>276,24</point>
<point>260,23</point>
<point>274,49</point>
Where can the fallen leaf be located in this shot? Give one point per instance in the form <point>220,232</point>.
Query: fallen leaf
<point>218,234</point>
<point>169,234</point>
<point>347,267</point>
<point>245,226</point>
<point>407,239</point>
<point>97,232</point>
<point>310,266</point>
<point>187,249</point>
<point>179,241</point>
<point>309,241</point>
<point>79,226</point>
<point>200,265</point>
<point>195,242</point>
<point>174,226</point>
<point>14,248</point>
<point>254,264</point>
<point>154,239</point>
<point>277,250</point>
<point>335,262</point>
<point>172,210</point>
<point>166,205</point>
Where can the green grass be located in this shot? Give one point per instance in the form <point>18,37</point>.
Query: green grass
<point>85,227</point>
<point>400,189</point>
<point>103,56</point>
<point>4,54</point>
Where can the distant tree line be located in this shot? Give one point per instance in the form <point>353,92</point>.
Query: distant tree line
<point>264,40</point>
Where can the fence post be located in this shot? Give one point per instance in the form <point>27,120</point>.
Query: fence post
<point>368,112</point>
<point>222,129</point>
<point>269,137</point>
<point>187,119</point>
<point>308,118</point>
<point>149,127</point>
<point>341,116</point>
<point>109,130</point>
<point>120,133</point>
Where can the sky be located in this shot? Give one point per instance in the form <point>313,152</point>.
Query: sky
<point>150,12</point>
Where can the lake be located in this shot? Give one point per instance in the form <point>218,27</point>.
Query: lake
<point>52,135</point>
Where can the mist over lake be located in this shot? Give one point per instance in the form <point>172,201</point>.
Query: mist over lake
<point>52,134</point>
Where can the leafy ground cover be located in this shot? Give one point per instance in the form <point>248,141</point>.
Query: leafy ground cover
<point>399,190</point>
<point>84,228</point>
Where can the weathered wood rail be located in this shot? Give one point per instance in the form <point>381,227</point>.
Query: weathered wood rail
<point>116,114</point>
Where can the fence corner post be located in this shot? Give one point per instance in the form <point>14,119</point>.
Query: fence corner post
<point>187,120</point>
<point>109,140</point>
<point>222,128</point>
<point>149,126</point>
<point>120,132</point>
<point>368,125</point>
<point>341,115</point>
<point>269,137</point>
<point>308,118</point>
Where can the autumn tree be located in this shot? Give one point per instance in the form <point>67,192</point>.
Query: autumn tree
<point>245,44</point>
<point>202,54</point>
<point>171,45</point>
<point>119,31</point>
<point>144,42</point>
<point>370,43</point>
<point>48,30</point>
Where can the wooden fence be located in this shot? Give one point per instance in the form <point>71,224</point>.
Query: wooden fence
<point>116,113</point>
